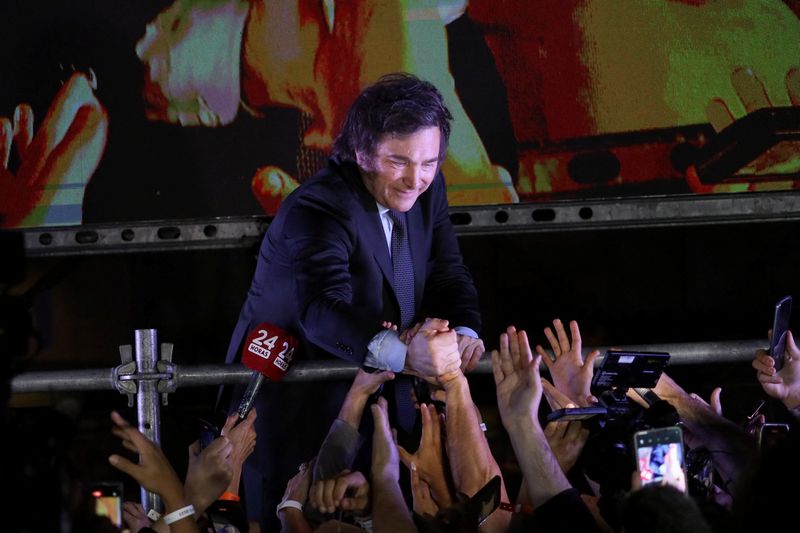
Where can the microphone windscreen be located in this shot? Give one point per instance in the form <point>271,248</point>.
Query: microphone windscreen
<point>268,350</point>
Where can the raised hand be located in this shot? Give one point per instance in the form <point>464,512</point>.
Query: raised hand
<point>566,439</point>
<point>571,374</point>
<point>59,159</point>
<point>783,384</point>
<point>516,376</point>
<point>471,350</point>
<point>153,472</point>
<point>429,461</point>
<point>348,491</point>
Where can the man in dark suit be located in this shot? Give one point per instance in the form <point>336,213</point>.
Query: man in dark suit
<point>326,274</point>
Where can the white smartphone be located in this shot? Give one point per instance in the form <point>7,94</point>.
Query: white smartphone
<point>660,456</point>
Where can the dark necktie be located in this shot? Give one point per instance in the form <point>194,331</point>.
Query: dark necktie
<point>403,270</point>
<point>404,289</point>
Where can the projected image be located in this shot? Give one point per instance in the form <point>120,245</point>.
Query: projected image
<point>179,109</point>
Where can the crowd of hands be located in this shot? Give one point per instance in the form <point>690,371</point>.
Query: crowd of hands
<point>453,460</point>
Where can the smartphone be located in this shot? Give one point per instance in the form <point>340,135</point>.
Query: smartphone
<point>772,434</point>
<point>486,500</point>
<point>107,497</point>
<point>628,369</point>
<point>660,456</point>
<point>576,413</point>
<point>780,325</point>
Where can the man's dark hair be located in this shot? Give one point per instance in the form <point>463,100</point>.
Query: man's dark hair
<point>398,103</point>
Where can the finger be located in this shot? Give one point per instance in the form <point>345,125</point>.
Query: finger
<point>591,357</point>
<point>750,89</point>
<point>551,338</point>
<point>548,360</point>
<point>506,359</point>
<point>497,368</point>
<point>575,332</point>
<point>229,423</point>
<point>315,496</point>
<point>793,85</point>
<point>526,356</point>
<point>563,340</point>
<point>6,136</point>
<point>715,401</point>
<point>23,128</point>
<point>718,114</point>
<point>124,465</point>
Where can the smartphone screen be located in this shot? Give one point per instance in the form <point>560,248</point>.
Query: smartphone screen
<point>628,369</point>
<point>660,456</point>
<point>108,500</point>
<point>780,325</point>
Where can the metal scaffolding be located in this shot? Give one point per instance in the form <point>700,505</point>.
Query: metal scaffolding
<point>147,372</point>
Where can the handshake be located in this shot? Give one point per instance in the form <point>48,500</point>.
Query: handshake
<point>437,353</point>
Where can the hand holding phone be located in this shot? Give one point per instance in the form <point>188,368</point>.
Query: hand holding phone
<point>780,325</point>
<point>660,456</point>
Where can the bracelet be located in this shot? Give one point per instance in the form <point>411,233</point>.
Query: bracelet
<point>288,503</point>
<point>180,514</point>
<point>229,496</point>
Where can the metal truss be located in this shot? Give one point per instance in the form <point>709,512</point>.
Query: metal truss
<point>588,214</point>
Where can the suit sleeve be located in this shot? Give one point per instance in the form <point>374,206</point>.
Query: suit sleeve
<point>321,238</point>
<point>450,291</point>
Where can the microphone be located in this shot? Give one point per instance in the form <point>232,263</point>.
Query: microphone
<point>268,352</point>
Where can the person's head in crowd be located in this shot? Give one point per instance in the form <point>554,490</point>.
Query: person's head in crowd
<point>659,508</point>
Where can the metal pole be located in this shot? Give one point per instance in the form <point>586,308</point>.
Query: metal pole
<point>221,374</point>
<point>148,409</point>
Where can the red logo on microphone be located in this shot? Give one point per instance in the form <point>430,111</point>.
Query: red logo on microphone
<point>269,350</point>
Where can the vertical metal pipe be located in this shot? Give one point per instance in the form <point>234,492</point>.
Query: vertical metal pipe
<point>148,410</point>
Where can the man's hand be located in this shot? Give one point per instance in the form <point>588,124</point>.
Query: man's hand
<point>433,352</point>
<point>348,491</point>
<point>471,350</point>
<point>571,374</point>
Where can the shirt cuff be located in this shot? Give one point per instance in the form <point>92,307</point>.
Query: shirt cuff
<point>386,352</point>
<point>468,332</point>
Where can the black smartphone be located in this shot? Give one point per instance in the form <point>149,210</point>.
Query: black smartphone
<point>576,413</point>
<point>486,500</point>
<point>107,497</point>
<point>629,369</point>
<point>208,432</point>
<point>660,456</point>
<point>771,435</point>
<point>780,325</point>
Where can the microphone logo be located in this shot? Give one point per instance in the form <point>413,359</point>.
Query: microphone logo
<point>269,350</point>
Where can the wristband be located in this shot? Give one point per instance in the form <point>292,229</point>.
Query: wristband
<point>288,503</point>
<point>229,496</point>
<point>180,514</point>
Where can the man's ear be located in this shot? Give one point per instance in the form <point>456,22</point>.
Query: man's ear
<point>363,160</point>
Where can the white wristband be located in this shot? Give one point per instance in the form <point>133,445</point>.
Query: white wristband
<point>153,515</point>
<point>180,514</point>
<point>288,503</point>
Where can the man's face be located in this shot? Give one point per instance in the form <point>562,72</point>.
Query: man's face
<point>402,168</point>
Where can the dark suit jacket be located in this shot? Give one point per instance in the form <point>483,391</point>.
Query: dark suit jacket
<point>324,272</point>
